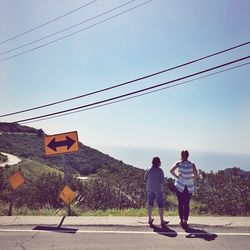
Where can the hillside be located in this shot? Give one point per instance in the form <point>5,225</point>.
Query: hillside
<point>27,143</point>
<point>112,185</point>
<point>31,170</point>
<point>238,171</point>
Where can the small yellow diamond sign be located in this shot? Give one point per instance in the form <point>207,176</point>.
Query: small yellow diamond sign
<point>67,195</point>
<point>16,180</point>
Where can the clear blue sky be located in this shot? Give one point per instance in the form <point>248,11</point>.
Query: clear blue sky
<point>210,114</point>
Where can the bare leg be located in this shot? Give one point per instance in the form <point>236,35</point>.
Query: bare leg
<point>150,213</point>
<point>161,213</point>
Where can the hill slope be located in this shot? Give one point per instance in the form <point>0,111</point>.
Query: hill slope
<point>238,171</point>
<point>27,142</point>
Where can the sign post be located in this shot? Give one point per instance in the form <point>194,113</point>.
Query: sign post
<point>62,144</point>
<point>66,182</point>
<point>15,181</point>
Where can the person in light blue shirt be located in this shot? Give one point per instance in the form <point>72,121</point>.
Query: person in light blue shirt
<point>154,178</point>
<point>184,184</point>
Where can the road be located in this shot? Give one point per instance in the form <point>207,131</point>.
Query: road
<point>12,160</point>
<point>122,237</point>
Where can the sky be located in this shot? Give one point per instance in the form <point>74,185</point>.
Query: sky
<point>209,117</point>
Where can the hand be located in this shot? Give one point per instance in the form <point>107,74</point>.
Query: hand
<point>196,177</point>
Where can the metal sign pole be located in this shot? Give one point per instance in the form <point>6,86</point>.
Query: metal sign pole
<point>11,202</point>
<point>65,170</point>
<point>66,180</point>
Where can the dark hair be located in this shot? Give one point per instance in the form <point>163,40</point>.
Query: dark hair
<point>184,154</point>
<point>156,162</point>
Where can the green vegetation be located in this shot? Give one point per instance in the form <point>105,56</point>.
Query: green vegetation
<point>3,158</point>
<point>27,143</point>
<point>33,169</point>
<point>113,188</point>
<point>225,192</point>
<point>120,192</point>
<point>77,212</point>
<point>16,128</point>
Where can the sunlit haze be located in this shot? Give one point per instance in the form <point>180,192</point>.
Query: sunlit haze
<point>208,116</point>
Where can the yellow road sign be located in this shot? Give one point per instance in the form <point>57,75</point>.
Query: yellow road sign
<point>61,143</point>
<point>16,180</point>
<point>67,195</point>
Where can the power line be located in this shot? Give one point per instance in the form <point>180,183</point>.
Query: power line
<point>135,92</point>
<point>76,32</point>
<point>46,23</point>
<point>65,29</point>
<point>138,95</point>
<point>127,82</point>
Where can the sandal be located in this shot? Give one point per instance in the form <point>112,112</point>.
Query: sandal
<point>185,225</point>
<point>164,223</point>
<point>150,222</point>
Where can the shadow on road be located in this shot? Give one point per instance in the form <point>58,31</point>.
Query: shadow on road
<point>56,229</point>
<point>197,233</point>
<point>166,231</point>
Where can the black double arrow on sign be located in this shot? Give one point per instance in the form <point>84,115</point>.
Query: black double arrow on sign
<point>61,143</point>
<point>69,142</point>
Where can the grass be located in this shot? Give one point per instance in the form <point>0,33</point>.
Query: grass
<point>76,211</point>
<point>116,212</point>
<point>32,168</point>
<point>24,211</point>
<point>141,212</point>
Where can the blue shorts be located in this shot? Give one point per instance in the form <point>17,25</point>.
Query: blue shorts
<point>152,196</point>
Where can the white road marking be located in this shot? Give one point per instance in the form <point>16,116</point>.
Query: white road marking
<point>127,232</point>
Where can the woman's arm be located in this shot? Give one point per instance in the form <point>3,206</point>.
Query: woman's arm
<point>172,171</point>
<point>146,175</point>
<point>195,172</point>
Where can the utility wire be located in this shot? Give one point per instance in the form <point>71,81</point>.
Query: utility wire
<point>135,92</point>
<point>76,32</point>
<point>44,24</point>
<point>127,82</point>
<point>138,95</point>
<point>70,27</point>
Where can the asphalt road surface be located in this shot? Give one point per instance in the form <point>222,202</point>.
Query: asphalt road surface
<point>114,237</point>
<point>12,160</point>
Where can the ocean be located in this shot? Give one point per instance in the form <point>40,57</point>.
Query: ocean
<point>206,161</point>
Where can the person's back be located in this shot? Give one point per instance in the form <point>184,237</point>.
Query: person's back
<point>155,179</point>
<point>184,184</point>
<point>185,169</point>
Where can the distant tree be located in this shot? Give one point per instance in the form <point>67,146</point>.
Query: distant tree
<point>224,193</point>
<point>3,158</point>
<point>112,187</point>
<point>40,192</point>
<point>170,187</point>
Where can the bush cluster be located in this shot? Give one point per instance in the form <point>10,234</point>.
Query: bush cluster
<point>223,193</point>
<point>115,188</point>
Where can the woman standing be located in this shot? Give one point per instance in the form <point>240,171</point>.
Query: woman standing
<point>184,185</point>
<point>154,178</point>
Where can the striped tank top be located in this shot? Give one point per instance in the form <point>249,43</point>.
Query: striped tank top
<point>185,178</point>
